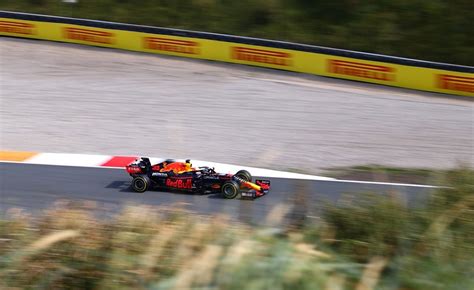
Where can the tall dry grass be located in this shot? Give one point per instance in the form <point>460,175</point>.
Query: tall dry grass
<point>157,248</point>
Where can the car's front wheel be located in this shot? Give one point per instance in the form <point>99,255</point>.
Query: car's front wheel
<point>140,183</point>
<point>244,174</point>
<point>230,189</point>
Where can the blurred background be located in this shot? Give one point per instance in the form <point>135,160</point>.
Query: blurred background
<point>438,30</point>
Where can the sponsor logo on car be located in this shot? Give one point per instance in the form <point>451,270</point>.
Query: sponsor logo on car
<point>248,194</point>
<point>89,35</point>
<point>159,174</point>
<point>179,183</point>
<point>456,83</point>
<point>362,70</point>
<point>171,45</point>
<point>17,27</point>
<point>261,56</point>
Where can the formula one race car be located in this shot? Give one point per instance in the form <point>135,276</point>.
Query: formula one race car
<point>172,175</point>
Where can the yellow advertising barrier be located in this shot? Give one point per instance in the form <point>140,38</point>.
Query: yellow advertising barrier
<point>406,76</point>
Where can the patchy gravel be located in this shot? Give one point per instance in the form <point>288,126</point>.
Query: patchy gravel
<point>69,98</point>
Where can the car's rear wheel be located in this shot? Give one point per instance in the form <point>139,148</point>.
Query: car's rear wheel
<point>244,174</point>
<point>230,189</point>
<point>141,183</point>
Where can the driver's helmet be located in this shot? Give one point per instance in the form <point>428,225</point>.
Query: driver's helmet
<point>188,164</point>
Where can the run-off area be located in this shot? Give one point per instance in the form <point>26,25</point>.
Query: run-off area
<point>78,99</point>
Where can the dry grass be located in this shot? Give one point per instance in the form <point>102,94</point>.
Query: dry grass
<point>148,248</point>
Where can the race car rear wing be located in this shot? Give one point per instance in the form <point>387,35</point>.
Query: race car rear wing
<point>146,161</point>
<point>140,165</point>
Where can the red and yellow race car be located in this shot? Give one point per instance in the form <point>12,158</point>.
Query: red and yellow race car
<point>174,175</point>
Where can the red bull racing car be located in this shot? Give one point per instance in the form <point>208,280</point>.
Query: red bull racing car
<point>172,175</point>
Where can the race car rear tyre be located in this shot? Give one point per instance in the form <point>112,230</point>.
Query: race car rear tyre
<point>244,174</point>
<point>141,183</point>
<point>230,189</point>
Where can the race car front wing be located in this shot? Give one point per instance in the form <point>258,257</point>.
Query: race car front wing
<point>257,189</point>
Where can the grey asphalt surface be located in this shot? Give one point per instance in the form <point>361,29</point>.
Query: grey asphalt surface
<point>37,187</point>
<point>77,99</point>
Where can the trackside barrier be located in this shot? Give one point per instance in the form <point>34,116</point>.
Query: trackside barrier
<point>337,63</point>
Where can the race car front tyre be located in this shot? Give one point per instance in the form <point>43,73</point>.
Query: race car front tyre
<point>244,174</point>
<point>230,189</point>
<point>140,183</point>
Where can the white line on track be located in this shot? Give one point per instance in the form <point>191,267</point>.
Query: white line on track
<point>291,175</point>
<point>386,183</point>
<point>65,165</point>
<point>68,159</point>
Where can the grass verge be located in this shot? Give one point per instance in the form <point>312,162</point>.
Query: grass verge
<point>380,173</point>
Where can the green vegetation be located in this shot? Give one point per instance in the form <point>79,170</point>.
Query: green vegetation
<point>436,30</point>
<point>373,243</point>
<point>386,174</point>
<point>428,248</point>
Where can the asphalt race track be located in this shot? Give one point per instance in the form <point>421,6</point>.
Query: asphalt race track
<point>37,187</point>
